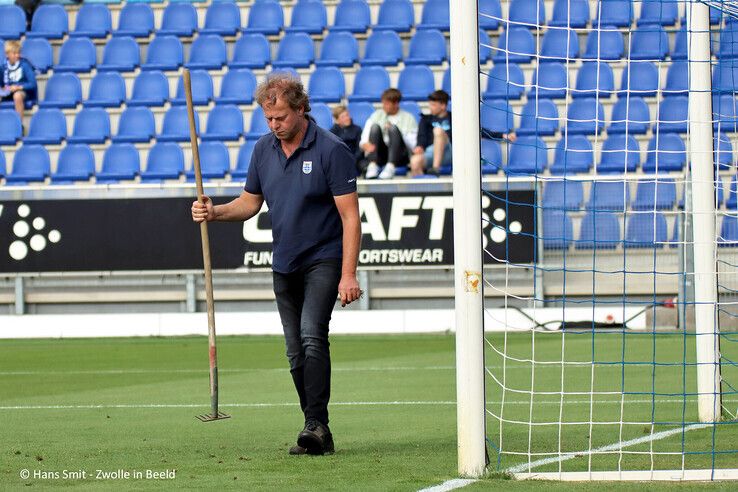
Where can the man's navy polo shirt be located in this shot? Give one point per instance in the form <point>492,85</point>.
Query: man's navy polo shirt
<point>299,191</point>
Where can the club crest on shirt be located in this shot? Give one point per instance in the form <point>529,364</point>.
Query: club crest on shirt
<point>307,166</point>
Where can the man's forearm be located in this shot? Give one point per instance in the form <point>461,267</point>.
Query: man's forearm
<point>351,244</point>
<point>237,210</point>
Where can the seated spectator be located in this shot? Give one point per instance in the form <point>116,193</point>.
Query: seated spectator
<point>345,129</point>
<point>389,136</point>
<point>433,148</point>
<point>18,78</point>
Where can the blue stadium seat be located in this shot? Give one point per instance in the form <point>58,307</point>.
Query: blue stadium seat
<point>573,154</point>
<point>618,13</point>
<point>353,16</point>
<point>322,115</point>
<point>382,48</point>
<point>222,18</point>
<point>665,153</point>
<point>485,47</point>
<point>527,13</point>
<point>38,51</point>
<point>599,230</point>
<point>10,127</point>
<point>620,154</point>
<point>630,115</point>
<point>559,45</point>
<point>649,43</point>
<point>76,163</point>
<point>135,20</point>
<point>50,21</point>
<point>243,160</point>
<point>416,82</point>
<point>136,124</point>
<point>563,195</point>
<point>208,52</point>
<point>121,54</point>
<point>338,49</point>
<point>165,161</point>
<point>496,116</point>
<point>3,168</point>
<point>237,87</point>
<point>612,196</point>
<point>655,195</point>
<point>435,15</point>
<point>550,80</point>
<point>326,85</point>
<point>176,127</point>
<point>202,89</point>
<point>528,155</point>
<point>14,22</point>
<point>397,15</point>
<point>604,44</point>
<point>491,156</point>
<point>369,83</point>
<point>646,230</point>
<point>30,163</point>
<point>673,115</point>
<point>728,41</point>
<point>107,90</point>
<point>360,112</point>
<point>557,230</point>
<point>411,107</point>
<point>723,152</point>
<point>732,202</point>
<point>265,18</point>
<point>725,76</point>
<point>539,117</point>
<point>639,79</point>
<point>595,79</point>
<point>586,116</point>
<point>490,14</point>
<point>91,126</point>
<point>724,113</point>
<point>120,162</point>
<point>214,161</point>
<point>93,21</point>
<point>571,13</point>
<point>149,89</point>
<point>63,90</point>
<point>516,45</point>
<point>76,55</point>
<point>427,47</point>
<point>659,12</point>
<point>308,16</point>
<point>296,50</point>
<point>178,19</point>
<point>728,231</point>
<point>258,126</point>
<point>48,127</point>
<point>446,81</point>
<point>680,44</point>
<point>164,53</point>
<point>251,51</point>
<point>225,122</point>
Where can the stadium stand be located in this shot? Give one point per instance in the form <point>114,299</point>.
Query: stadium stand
<point>416,82</point>
<point>251,51</point>
<point>179,19</point>
<point>630,115</point>
<point>76,163</point>
<point>559,45</point>
<point>77,55</point>
<point>208,52</point>
<point>176,127</point>
<point>121,162</point>
<point>93,21</point>
<point>295,50</point>
<point>243,160</point>
<point>121,54</point>
<point>50,21</point>
<point>339,49</point>
<point>528,155</point>
<point>599,230</point>
<point>91,126</point>
<point>202,89</point>
<point>225,122</point>
<point>38,51</point>
<point>214,161</point>
<point>164,53</point>
<point>571,13</point>
<point>222,18</point>
<point>149,89</point>
<point>353,16</point>
<point>265,18</point>
<point>563,195</point>
<point>573,154</point>
<point>505,81</point>
<point>136,124</point>
<point>48,127</point>
<point>327,84</point>
<point>435,15</point>
<point>558,231</point>
<point>10,127</point>
<point>397,15</point>
<point>165,161</point>
<point>308,16</point>
<point>639,79</point>
<point>237,87</point>
<point>135,20</point>
<point>620,153</point>
<point>427,47</point>
<point>14,22</point>
<point>539,117</point>
<point>645,230</point>
<point>30,164</point>
<point>666,152</point>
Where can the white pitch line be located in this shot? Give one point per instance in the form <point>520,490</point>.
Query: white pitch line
<point>221,371</point>
<point>453,484</point>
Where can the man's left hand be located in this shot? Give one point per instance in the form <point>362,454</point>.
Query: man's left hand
<point>348,289</point>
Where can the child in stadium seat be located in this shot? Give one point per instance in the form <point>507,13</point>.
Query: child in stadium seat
<point>389,136</point>
<point>433,148</point>
<point>18,78</point>
<point>345,129</point>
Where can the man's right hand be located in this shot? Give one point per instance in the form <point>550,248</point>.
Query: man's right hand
<point>369,147</point>
<point>203,211</point>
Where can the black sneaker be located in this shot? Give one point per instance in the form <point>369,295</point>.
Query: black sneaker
<point>316,438</point>
<point>297,450</point>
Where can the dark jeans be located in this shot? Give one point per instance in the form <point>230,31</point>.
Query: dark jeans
<point>305,300</point>
<point>396,152</point>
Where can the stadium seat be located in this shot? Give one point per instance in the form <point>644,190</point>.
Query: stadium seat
<point>649,43</point>
<point>120,162</point>
<point>527,13</point>
<point>225,122</point>
<point>222,18</point>
<point>732,202</point>
<point>595,79</point>
<point>490,14</point>
<point>550,80</point>
<point>360,112</point>
<point>599,230</point>
<point>677,79</point>
<point>491,156</point>
<point>571,13</point>
<point>339,49</point>
<point>149,89</point>
<point>666,152</point>
<point>725,76</point>
<point>121,54</point>
<point>728,231</point>
<point>427,47</point>
<point>93,21</point>
<point>353,16</point>
<point>48,127</point>
<point>639,79</point>
<point>528,155</point>
<point>38,51</point>
<point>251,51</point>
<point>258,126</point>
<point>326,85</point>
<point>659,12</point>
<point>265,18</point>
<point>446,81</point>
<point>322,115</point>
<point>563,194</point>
<point>136,125</point>
<point>30,163</point>
<point>620,154</point>
<point>618,13</point>
<point>165,161</point>
<point>164,53</point>
<point>237,87</point>
<point>612,196</point>
<point>202,89</point>
<point>308,16</point>
<point>496,117</point>
<point>50,21</point>
<point>178,19</point>
<point>673,115</point>
<point>557,230</point>
<point>243,160</point>
<point>435,15</point>
<point>728,41</point>
<point>208,52</point>
<point>573,154</point>
<point>91,126</point>
<point>604,44</point>
<point>397,15</point>
<point>369,83</point>
<point>382,48</point>
<point>416,82</point>
<point>680,44</point>
<point>63,90</point>
<point>515,45</point>
<point>214,161</point>
<point>724,114</point>
<point>646,230</point>
<point>412,107</point>
<point>176,126</point>
<point>14,22</point>
<point>655,195</point>
<point>10,127</point>
<point>586,116</point>
<point>295,50</point>
<point>135,20</point>
<point>559,45</point>
<point>722,150</point>
<point>76,55</point>
<point>3,168</point>
<point>630,115</point>
<point>76,163</point>
<point>539,117</point>
<point>107,90</point>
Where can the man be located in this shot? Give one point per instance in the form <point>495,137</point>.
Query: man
<point>389,135</point>
<point>433,148</point>
<point>18,78</point>
<point>308,179</point>
<point>345,129</point>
